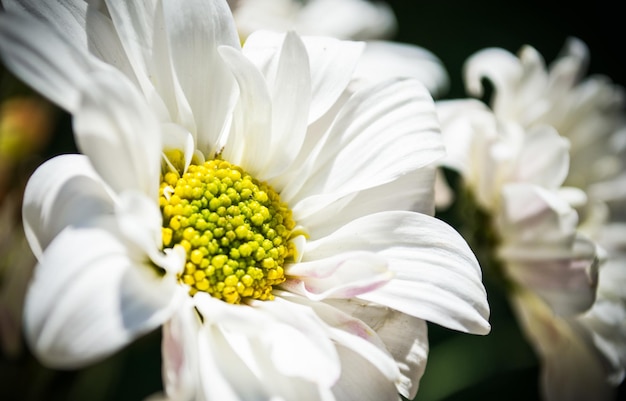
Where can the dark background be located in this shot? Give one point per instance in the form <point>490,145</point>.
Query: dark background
<point>500,366</point>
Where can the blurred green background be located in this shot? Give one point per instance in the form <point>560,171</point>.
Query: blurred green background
<point>500,366</point>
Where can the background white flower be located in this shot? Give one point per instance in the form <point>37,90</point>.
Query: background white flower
<point>588,112</point>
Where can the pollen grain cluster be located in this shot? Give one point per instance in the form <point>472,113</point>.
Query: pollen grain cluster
<point>234,229</point>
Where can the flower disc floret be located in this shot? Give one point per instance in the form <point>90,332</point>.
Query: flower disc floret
<point>235,230</point>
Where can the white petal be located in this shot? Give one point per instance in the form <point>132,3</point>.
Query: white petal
<point>544,252</point>
<point>291,99</point>
<point>359,377</point>
<point>67,16</point>
<point>63,191</point>
<point>120,134</point>
<point>544,159</point>
<point>91,295</point>
<point>195,32</point>
<point>341,276</point>
<point>251,133</point>
<point>391,333</point>
<point>335,18</point>
<point>382,60</point>
<point>332,65</point>
<point>382,133</point>
<point>273,348</point>
<point>405,337</point>
<point>412,191</point>
<point>437,276</point>
<point>39,57</point>
<point>500,66</point>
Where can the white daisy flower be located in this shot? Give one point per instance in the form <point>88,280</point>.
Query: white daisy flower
<point>373,22</point>
<point>589,112</point>
<point>277,223</point>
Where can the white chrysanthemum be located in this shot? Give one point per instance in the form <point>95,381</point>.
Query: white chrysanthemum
<point>373,22</point>
<point>274,221</point>
<point>589,112</point>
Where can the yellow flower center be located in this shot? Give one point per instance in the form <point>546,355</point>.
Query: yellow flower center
<point>235,230</point>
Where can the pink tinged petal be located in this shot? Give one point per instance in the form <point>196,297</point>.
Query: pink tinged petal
<point>251,132</point>
<point>342,276</point>
<point>543,251</point>
<point>242,368</point>
<point>352,333</point>
<point>359,377</point>
<point>570,367</point>
<point>92,295</point>
<point>403,336</point>
<point>277,342</point>
<point>299,342</point>
<point>180,354</point>
<point>382,133</point>
<point>383,60</point>
<point>120,134</point>
<point>45,61</point>
<point>64,191</point>
<point>194,33</point>
<point>437,277</point>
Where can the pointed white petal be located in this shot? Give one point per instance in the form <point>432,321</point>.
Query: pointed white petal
<point>92,295</point>
<point>332,64</point>
<point>437,275</point>
<point>195,32</point>
<point>120,134</point>
<point>63,191</point>
<point>252,130</point>
<point>291,99</point>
